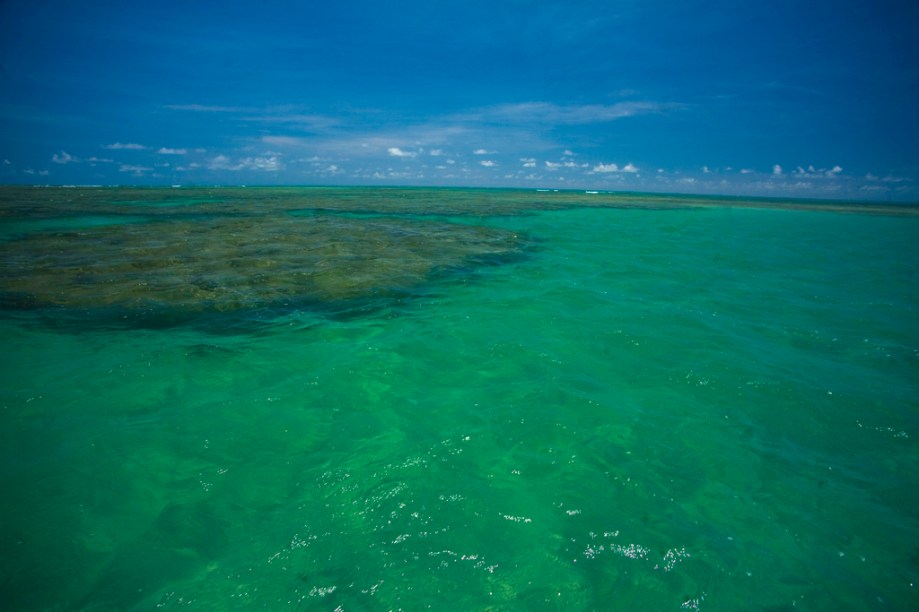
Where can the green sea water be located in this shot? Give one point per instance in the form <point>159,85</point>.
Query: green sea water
<point>367,399</point>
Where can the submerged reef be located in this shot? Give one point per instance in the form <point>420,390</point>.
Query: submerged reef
<point>229,262</point>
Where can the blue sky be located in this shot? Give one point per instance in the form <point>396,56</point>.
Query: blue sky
<point>785,98</point>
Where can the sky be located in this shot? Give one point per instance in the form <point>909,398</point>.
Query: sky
<point>802,98</point>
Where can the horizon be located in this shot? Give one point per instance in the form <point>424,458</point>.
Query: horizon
<point>819,201</point>
<point>784,101</point>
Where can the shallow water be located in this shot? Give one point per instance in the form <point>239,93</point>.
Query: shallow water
<point>494,400</point>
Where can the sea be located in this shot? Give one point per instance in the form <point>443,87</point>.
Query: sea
<point>331,398</point>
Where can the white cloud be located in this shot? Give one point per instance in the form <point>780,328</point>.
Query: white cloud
<point>602,168</point>
<point>818,173</point>
<point>128,146</point>
<point>777,170</point>
<point>706,170</point>
<point>64,158</point>
<point>333,169</point>
<point>265,163</point>
<point>221,162</point>
<point>482,152</point>
<point>552,165</point>
<point>746,171</point>
<point>488,163</point>
<point>397,152</point>
<point>439,137</point>
<point>136,170</point>
<point>528,162</point>
<point>568,153</point>
<point>268,164</point>
<point>168,151</point>
<point>548,113</point>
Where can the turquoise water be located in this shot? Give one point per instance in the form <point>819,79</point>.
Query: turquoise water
<point>482,400</point>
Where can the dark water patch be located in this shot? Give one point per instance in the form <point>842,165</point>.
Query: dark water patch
<point>16,228</point>
<point>195,215</point>
<point>347,214</point>
<point>238,321</point>
<point>192,526</point>
<point>210,351</point>
<point>167,202</point>
<point>15,300</point>
<point>420,214</point>
<point>135,572</point>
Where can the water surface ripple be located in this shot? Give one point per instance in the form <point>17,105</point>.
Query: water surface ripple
<point>456,399</point>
